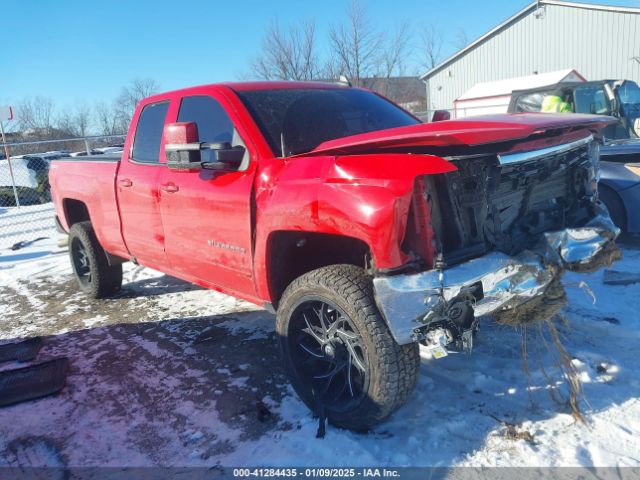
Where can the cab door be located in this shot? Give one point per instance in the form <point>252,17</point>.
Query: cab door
<point>207,214</point>
<point>137,188</point>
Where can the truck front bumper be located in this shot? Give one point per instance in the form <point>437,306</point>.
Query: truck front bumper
<point>410,303</point>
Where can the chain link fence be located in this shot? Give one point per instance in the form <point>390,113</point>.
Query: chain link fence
<point>26,211</point>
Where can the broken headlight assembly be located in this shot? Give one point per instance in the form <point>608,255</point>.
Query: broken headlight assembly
<point>594,170</point>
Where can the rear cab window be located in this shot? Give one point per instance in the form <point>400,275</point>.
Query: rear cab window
<point>148,137</point>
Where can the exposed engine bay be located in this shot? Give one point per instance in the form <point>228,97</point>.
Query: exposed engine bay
<point>504,227</point>
<point>505,203</point>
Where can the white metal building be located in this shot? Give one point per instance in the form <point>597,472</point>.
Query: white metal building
<point>600,42</point>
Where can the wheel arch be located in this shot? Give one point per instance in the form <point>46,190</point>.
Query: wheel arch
<point>291,254</point>
<point>74,211</point>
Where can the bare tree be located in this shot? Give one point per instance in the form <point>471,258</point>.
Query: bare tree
<point>356,44</point>
<point>288,55</point>
<point>356,50</point>
<point>65,123</point>
<point>330,68</point>
<point>461,40</point>
<point>107,120</point>
<point>114,118</point>
<point>83,119</point>
<point>396,51</point>
<point>431,46</point>
<point>76,122</point>
<point>36,114</point>
<point>129,97</point>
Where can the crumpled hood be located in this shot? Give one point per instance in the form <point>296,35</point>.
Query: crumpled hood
<point>475,131</point>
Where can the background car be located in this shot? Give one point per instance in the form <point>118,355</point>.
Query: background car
<point>83,153</point>
<point>26,183</point>
<point>619,186</point>
<point>618,98</point>
<point>111,149</point>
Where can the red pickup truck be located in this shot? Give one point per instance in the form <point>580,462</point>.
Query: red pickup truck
<point>367,231</point>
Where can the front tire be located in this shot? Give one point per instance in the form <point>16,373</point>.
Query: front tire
<point>338,351</point>
<point>89,262</point>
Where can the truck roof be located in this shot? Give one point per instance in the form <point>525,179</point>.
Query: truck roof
<point>258,85</point>
<point>279,85</point>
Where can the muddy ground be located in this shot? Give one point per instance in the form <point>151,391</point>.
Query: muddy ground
<point>167,374</point>
<point>144,354</point>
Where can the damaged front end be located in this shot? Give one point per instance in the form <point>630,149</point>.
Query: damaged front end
<point>505,228</point>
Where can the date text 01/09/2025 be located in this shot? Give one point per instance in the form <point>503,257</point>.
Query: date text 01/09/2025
<point>315,472</point>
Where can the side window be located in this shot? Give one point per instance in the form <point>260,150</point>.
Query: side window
<point>146,144</point>
<point>591,100</point>
<point>529,102</point>
<point>214,125</point>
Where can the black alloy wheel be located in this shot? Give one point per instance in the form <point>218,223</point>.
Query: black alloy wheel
<point>328,349</point>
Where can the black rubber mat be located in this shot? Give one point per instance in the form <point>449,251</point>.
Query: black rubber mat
<point>34,381</point>
<point>22,351</point>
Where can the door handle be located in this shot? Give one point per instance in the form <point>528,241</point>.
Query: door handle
<point>169,187</point>
<point>125,182</point>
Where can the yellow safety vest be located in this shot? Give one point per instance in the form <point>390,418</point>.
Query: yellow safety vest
<point>554,104</point>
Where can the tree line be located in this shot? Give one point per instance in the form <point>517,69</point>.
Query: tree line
<point>40,117</point>
<point>355,48</point>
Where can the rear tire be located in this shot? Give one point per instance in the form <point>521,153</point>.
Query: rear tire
<point>89,262</point>
<point>338,351</point>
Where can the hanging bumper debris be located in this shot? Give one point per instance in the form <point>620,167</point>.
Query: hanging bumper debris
<point>445,303</point>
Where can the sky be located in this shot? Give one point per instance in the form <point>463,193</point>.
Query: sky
<point>76,51</point>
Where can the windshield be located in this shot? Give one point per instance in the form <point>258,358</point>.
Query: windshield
<point>629,93</point>
<point>591,99</point>
<point>299,120</point>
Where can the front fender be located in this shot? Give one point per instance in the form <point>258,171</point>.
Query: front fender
<point>368,197</point>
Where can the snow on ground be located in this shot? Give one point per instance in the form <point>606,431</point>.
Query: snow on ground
<point>25,223</point>
<point>166,373</point>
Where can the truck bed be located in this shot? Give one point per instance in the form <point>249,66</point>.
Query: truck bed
<point>83,180</point>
